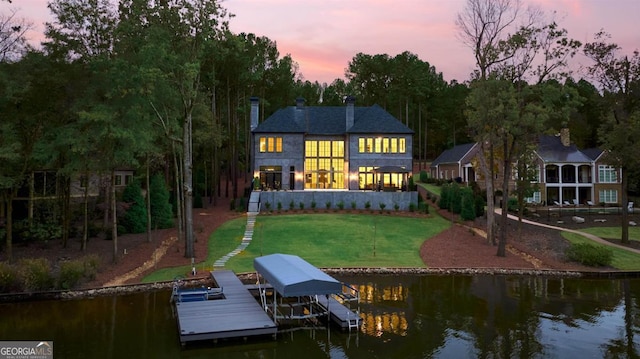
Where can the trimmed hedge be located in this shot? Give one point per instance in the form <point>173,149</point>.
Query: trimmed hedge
<point>590,255</point>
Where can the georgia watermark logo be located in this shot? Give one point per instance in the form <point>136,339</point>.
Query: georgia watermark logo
<point>26,349</point>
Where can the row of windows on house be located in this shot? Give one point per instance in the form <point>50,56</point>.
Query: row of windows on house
<point>336,148</point>
<point>606,174</point>
<point>605,196</point>
<point>319,174</point>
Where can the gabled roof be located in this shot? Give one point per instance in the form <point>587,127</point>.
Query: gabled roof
<point>551,149</point>
<point>593,153</point>
<point>292,276</point>
<point>331,120</point>
<point>453,155</point>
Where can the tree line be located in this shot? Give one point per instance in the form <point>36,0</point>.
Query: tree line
<point>162,87</point>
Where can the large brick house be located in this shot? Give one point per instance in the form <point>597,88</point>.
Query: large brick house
<point>565,175</point>
<point>330,148</point>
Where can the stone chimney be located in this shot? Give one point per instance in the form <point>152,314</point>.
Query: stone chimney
<point>255,110</point>
<point>350,101</point>
<point>565,138</point>
<point>299,103</point>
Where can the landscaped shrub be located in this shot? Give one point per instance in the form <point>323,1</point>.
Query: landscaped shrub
<point>412,207</point>
<point>412,185</point>
<point>91,265</point>
<point>241,204</point>
<point>267,205</point>
<point>341,205</point>
<point>423,207</point>
<point>468,211</point>
<point>396,206</point>
<point>279,206</point>
<point>424,176</point>
<point>445,197</point>
<point>479,204</point>
<point>35,274</point>
<point>512,205</point>
<point>382,206</point>
<point>292,205</point>
<point>456,198</point>
<point>328,205</point>
<point>135,218</point>
<point>313,205</point>
<point>590,255</point>
<point>353,205</point>
<point>301,205</point>
<point>8,278</point>
<point>367,205</point>
<point>38,231</point>
<point>71,273</point>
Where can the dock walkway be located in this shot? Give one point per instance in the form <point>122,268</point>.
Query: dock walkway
<point>340,314</point>
<point>238,314</point>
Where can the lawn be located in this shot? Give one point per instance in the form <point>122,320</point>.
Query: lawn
<point>324,240</point>
<point>431,188</point>
<point>613,232</point>
<point>622,259</point>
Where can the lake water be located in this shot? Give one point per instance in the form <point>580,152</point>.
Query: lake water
<point>428,316</point>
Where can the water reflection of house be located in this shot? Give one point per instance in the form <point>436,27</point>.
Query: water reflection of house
<point>332,149</point>
<point>377,322</point>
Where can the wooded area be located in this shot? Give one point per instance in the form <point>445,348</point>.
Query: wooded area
<point>163,87</point>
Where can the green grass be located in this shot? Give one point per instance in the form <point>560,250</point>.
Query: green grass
<point>622,259</point>
<point>324,240</point>
<point>613,232</point>
<point>431,188</point>
<point>225,239</point>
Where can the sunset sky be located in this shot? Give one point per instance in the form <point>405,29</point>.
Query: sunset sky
<point>322,36</point>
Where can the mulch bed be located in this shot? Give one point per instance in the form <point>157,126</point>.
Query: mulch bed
<point>529,247</point>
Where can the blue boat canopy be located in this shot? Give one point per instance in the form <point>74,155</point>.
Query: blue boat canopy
<point>292,276</point>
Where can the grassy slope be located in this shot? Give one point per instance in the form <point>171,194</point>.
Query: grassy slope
<point>324,240</point>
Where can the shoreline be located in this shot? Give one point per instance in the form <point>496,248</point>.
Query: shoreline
<point>197,281</point>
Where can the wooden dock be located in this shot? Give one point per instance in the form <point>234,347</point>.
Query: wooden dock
<point>238,314</point>
<point>340,315</point>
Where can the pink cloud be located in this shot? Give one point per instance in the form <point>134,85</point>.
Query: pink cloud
<point>323,35</point>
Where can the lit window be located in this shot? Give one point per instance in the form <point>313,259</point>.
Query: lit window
<point>394,145</point>
<point>263,144</point>
<point>402,145</point>
<point>361,145</point>
<point>278,144</point>
<point>378,145</point>
<point>270,144</point>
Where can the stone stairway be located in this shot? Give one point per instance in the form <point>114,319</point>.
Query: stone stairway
<point>246,240</point>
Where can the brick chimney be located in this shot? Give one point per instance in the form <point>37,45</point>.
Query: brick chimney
<point>350,101</point>
<point>255,110</point>
<point>565,137</point>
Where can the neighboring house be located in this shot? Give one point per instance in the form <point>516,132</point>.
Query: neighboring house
<point>565,175</point>
<point>569,176</point>
<point>455,163</point>
<point>331,148</point>
<point>42,186</point>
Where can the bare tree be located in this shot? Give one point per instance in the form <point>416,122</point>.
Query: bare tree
<point>12,36</point>
<point>483,25</point>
